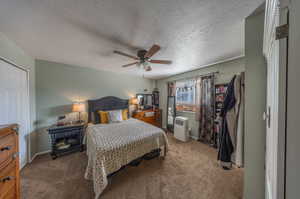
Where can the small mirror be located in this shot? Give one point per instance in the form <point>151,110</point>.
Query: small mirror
<point>140,99</point>
<point>145,101</point>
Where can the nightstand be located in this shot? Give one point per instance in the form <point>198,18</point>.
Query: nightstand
<point>66,139</point>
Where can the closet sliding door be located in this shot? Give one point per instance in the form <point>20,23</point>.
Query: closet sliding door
<point>14,103</point>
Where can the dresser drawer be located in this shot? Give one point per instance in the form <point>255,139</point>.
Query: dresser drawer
<point>7,147</point>
<point>148,119</point>
<point>11,194</point>
<point>8,181</point>
<point>154,117</point>
<point>138,117</point>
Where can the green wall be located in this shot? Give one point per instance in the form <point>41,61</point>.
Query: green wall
<point>10,51</point>
<point>58,85</point>
<point>226,71</point>
<point>255,104</point>
<point>293,98</point>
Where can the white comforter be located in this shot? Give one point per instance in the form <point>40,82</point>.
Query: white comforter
<point>111,146</point>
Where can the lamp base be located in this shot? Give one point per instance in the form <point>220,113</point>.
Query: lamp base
<point>79,119</point>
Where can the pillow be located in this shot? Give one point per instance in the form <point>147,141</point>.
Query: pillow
<point>104,117</point>
<point>125,114</point>
<point>115,116</point>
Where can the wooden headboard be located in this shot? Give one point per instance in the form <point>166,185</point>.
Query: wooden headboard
<point>105,104</point>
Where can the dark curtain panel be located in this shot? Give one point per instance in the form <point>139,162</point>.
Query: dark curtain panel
<point>207,110</point>
<point>198,99</point>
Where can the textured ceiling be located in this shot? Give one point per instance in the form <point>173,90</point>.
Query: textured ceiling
<point>192,33</point>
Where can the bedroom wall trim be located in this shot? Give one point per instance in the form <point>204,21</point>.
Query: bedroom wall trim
<point>38,154</point>
<point>205,66</point>
<point>197,76</point>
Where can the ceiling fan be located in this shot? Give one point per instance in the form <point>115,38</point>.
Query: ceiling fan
<point>143,58</point>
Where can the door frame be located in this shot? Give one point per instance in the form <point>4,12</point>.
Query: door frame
<point>28,139</point>
<point>293,120</point>
<point>280,9</point>
<point>282,104</point>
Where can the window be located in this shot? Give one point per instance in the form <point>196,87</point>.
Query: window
<point>185,95</point>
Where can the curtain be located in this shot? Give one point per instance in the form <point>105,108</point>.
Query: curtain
<point>239,152</point>
<point>207,110</point>
<point>198,99</point>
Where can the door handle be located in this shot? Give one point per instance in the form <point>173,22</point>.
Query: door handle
<point>7,148</point>
<point>267,116</point>
<point>6,179</point>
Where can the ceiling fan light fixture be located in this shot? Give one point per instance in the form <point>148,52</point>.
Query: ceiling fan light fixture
<point>143,58</point>
<point>148,68</point>
<point>145,64</point>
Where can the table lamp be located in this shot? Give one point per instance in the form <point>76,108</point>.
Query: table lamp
<point>132,105</point>
<point>78,107</point>
<point>134,101</point>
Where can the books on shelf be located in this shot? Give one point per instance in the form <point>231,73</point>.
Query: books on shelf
<point>220,92</point>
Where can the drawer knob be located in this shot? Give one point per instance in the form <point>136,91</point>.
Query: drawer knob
<point>6,179</point>
<point>7,148</point>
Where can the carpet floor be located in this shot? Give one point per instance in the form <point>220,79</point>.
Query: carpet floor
<point>189,171</point>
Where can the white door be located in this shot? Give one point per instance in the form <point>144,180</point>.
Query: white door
<point>275,53</point>
<point>272,126</point>
<point>14,103</point>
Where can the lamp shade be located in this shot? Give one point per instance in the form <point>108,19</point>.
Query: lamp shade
<point>134,100</point>
<point>78,107</point>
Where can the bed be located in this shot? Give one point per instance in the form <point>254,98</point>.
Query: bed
<point>112,146</point>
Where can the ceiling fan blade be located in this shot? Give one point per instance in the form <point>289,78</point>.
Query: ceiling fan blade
<point>161,61</point>
<point>130,64</point>
<point>154,49</point>
<point>125,54</point>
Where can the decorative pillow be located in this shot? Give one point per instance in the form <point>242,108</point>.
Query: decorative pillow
<point>115,116</point>
<point>104,117</point>
<point>125,114</point>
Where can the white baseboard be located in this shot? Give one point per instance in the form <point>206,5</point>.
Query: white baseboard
<point>194,137</point>
<point>39,153</point>
<point>32,158</point>
<point>22,166</point>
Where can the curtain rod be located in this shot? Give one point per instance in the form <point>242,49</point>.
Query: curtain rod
<point>196,76</point>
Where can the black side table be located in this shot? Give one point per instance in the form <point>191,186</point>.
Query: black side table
<point>66,139</point>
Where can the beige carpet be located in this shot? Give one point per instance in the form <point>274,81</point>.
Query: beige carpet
<point>190,171</point>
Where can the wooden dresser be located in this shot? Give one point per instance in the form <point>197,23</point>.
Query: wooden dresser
<point>9,162</point>
<point>150,116</point>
